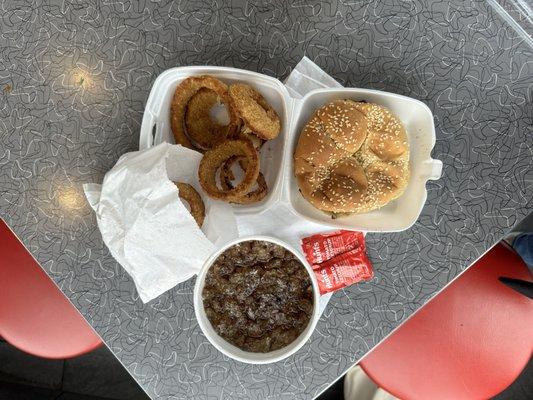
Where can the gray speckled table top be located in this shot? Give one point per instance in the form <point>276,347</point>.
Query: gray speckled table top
<point>73,83</point>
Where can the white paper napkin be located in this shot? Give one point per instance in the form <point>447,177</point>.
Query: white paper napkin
<point>145,225</point>
<point>280,221</point>
<point>307,76</point>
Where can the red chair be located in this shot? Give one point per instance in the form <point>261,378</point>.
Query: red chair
<point>34,315</point>
<point>470,342</point>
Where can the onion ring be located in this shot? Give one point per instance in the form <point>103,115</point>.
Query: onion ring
<point>191,196</point>
<point>246,133</point>
<point>254,110</point>
<point>213,160</point>
<point>201,128</point>
<point>227,176</point>
<point>182,95</point>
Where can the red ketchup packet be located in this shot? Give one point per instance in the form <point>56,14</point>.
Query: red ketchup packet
<point>324,246</point>
<point>344,260</point>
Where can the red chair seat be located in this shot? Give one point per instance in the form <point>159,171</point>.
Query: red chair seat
<point>34,315</point>
<point>470,342</point>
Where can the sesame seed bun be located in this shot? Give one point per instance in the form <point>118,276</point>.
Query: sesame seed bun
<point>352,157</point>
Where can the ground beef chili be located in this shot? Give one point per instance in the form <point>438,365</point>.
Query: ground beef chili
<point>258,296</point>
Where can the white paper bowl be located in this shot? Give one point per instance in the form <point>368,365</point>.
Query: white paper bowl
<point>233,351</point>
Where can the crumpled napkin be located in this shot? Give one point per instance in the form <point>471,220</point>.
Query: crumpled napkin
<point>147,227</point>
<point>307,76</point>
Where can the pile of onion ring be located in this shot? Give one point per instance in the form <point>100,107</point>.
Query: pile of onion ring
<point>252,121</point>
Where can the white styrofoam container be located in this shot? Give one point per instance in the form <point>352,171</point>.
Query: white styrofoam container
<point>233,351</point>
<point>276,155</point>
<point>399,214</point>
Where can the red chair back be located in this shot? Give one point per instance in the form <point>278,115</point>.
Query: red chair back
<point>34,315</point>
<point>470,342</point>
